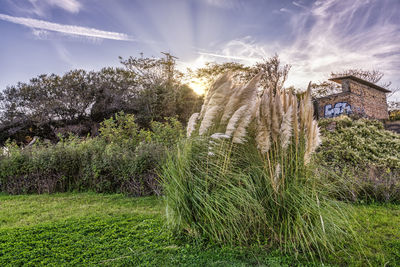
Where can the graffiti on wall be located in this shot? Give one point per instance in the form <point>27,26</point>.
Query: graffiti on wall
<point>339,109</point>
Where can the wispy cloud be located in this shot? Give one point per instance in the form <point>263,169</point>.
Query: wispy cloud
<point>330,35</point>
<point>66,29</point>
<point>39,7</point>
<point>334,35</point>
<point>226,56</point>
<point>222,3</point>
<point>298,4</point>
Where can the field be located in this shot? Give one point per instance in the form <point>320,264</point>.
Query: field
<point>95,229</point>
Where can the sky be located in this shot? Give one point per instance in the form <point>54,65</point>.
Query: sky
<point>315,36</point>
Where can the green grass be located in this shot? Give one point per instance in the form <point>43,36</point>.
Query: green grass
<point>380,230</point>
<point>92,229</point>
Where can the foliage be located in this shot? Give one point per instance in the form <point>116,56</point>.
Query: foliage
<point>162,92</point>
<point>394,115</point>
<point>77,101</point>
<point>360,142</point>
<point>112,230</point>
<point>362,158</point>
<point>273,73</point>
<point>122,129</point>
<point>122,159</point>
<point>92,229</point>
<point>244,176</point>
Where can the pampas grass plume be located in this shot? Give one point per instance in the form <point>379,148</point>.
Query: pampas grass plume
<point>191,124</point>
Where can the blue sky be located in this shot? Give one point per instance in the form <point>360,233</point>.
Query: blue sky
<point>315,37</point>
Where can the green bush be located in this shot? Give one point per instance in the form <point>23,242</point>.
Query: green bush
<point>123,159</point>
<point>394,115</point>
<point>361,158</point>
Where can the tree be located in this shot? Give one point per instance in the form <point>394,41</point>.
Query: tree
<point>273,73</point>
<point>150,88</point>
<point>115,89</point>
<point>161,92</point>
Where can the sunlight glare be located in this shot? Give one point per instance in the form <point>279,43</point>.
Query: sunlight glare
<point>198,86</point>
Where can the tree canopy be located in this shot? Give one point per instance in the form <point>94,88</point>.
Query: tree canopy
<point>150,88</point>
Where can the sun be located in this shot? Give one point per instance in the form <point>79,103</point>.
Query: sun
<point>198,86</point>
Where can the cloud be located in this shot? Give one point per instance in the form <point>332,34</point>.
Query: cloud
<point>285,10</point>
<point>213,55</point>
<point>39,7</point>
<point>335,35</point>
<point>298,4</point>
<point>222,3</point>
<point>65,29</point>
<point>330,35</point>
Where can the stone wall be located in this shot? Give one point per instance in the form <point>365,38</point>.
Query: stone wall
<point>334,105</point>
<point>356,99</point>
<point>371,102</point>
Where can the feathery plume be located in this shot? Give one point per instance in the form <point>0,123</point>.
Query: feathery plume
<point>231,127</point>
<point>308,108</point>
<point>191,124</point>
<point>215,105</point>
<point>263,117</point>
<point>242,94</point>
<point>277,175</point>
<point>276,117</point>
<point>207,122</point>
<point>313,141</point>
<point>240,133</point>
<point>221,84</point>
<point>295,121</point>
<point>286,128</point>
<point>218,136</point>
<point>301,115</point>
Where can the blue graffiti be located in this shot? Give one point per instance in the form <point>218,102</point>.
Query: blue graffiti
<point>339,109</point>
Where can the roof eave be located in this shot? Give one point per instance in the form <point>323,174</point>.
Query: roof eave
<point>351,77</point>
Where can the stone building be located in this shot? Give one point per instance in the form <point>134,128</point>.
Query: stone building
<point>358,97</point>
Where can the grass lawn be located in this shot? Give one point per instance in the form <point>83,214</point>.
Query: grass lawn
<point>94,229</point>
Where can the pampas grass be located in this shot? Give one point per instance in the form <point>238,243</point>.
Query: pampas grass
<point>245,175</point>
<point>192,124</point>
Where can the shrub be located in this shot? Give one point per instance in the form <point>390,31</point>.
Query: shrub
<point>122,159</point>
<point>361,158</point>
<point>394,115</point>
<point>245,176</point>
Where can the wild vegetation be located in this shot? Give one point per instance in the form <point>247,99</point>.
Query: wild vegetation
<point>256,180</point>
<point>123,158</point>
<point>114,230</point>
<point>244,176</point>
<point>362,158</point>
<point>78,101</point>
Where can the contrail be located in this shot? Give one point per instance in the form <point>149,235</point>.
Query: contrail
<point>67,29</point>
